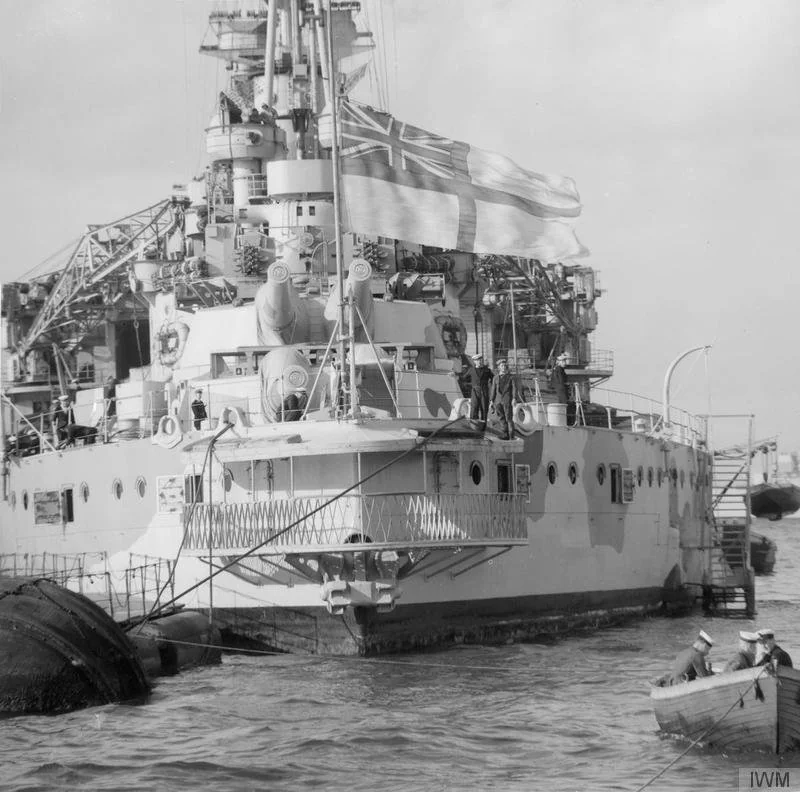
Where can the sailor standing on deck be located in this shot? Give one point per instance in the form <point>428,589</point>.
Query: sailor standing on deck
<point>63,418</point>
<point>504,396</point>
<point>199,413</point>
<point>110,396</point>
<point>558,379</point>
<point>691,663</point>
<point>480,379</point>
<point>772,652</point>
<point>745,656</point>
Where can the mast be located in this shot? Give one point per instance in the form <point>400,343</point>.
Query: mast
<point>347,382</point>
<point>325,40</point>
<point>513,326</point>
<point>269,52</point>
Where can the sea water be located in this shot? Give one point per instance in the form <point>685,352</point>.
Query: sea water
<point>571,714</point>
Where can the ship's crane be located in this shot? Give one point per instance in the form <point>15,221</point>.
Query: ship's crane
<point>81,295</point>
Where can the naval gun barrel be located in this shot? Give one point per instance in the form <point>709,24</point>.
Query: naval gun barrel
<point>280,319</point>
<point>357,286</point>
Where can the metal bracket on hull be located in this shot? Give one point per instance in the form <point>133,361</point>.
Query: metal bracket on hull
<point>478,563</point>
<point>258,577</point>
<point>338,594</point>
<point>360,579</point>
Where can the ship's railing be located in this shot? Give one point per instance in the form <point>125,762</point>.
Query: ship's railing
<point>123,593</point>
<point>409,519</point>
<point>643,414</point>
<point>257,185</point>
<point>34,433</point>
<point>600,360</point>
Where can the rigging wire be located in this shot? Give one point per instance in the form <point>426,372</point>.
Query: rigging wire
<point>394,48</point>
<point>195,500</point>
<point>383,55</point>
<point>40,269</point>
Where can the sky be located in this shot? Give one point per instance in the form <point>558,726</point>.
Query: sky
<point>678,120</point>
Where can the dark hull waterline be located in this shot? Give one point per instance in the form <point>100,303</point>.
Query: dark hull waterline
<point>366,632</point>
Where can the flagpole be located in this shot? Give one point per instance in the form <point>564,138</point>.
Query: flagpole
<point>513,326</point>
<point>337,209</point>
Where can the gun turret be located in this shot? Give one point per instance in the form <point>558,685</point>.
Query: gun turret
<point>285,384</point>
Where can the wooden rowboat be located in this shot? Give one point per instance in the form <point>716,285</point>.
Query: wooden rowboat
<point>752,709</point>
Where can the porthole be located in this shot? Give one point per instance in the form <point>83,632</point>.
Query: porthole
<point>84,492</point>
<point>116,489</point>
<point>141,486</point>
<point>476,473</point>
<point>673,475</point>
<point>640,476</point>
<point>552,472</point>
<point>683,478</point>
<point>227,480</point>
<point>601,474</point>
<point>649,477</point>
<point>25,499</point>
<point>692,479</point>
<point>13,500</point>
<point>660,477</point>
<point>572,472</point>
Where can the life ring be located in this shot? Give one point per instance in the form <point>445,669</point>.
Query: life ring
<point>461,409</point>
<point>526,419</point>
<point>168,434</point>
<point>170,342</point>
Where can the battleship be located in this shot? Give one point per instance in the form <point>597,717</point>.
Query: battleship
<point>253,398</point>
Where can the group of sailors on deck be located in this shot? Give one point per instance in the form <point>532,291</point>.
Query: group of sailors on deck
<point>754,649</point>
<point>493,396</point>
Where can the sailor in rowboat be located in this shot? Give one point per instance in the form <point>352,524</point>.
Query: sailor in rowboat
<point>691,663</point>
<point>745,656</point>
<point>772,652</point>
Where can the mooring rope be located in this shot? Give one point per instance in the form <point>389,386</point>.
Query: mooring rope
<point>347,658</point>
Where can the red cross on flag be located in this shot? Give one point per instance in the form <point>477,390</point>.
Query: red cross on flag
<point>403,182</point>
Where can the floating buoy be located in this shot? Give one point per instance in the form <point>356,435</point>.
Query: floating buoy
<point>170,644</point>
<point>60,652</point>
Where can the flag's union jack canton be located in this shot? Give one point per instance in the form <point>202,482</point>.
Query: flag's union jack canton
<point>380,139</point>
<point>403,182</point>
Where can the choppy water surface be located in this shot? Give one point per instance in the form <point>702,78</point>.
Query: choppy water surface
<point>571,715</point>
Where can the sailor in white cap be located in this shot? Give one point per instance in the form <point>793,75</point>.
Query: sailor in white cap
<point>480,380</point>
<point>691,663</point>
<point>558,379</point>
<point>745,656</point>
<point>63,418</point>
<point>772,652</point>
